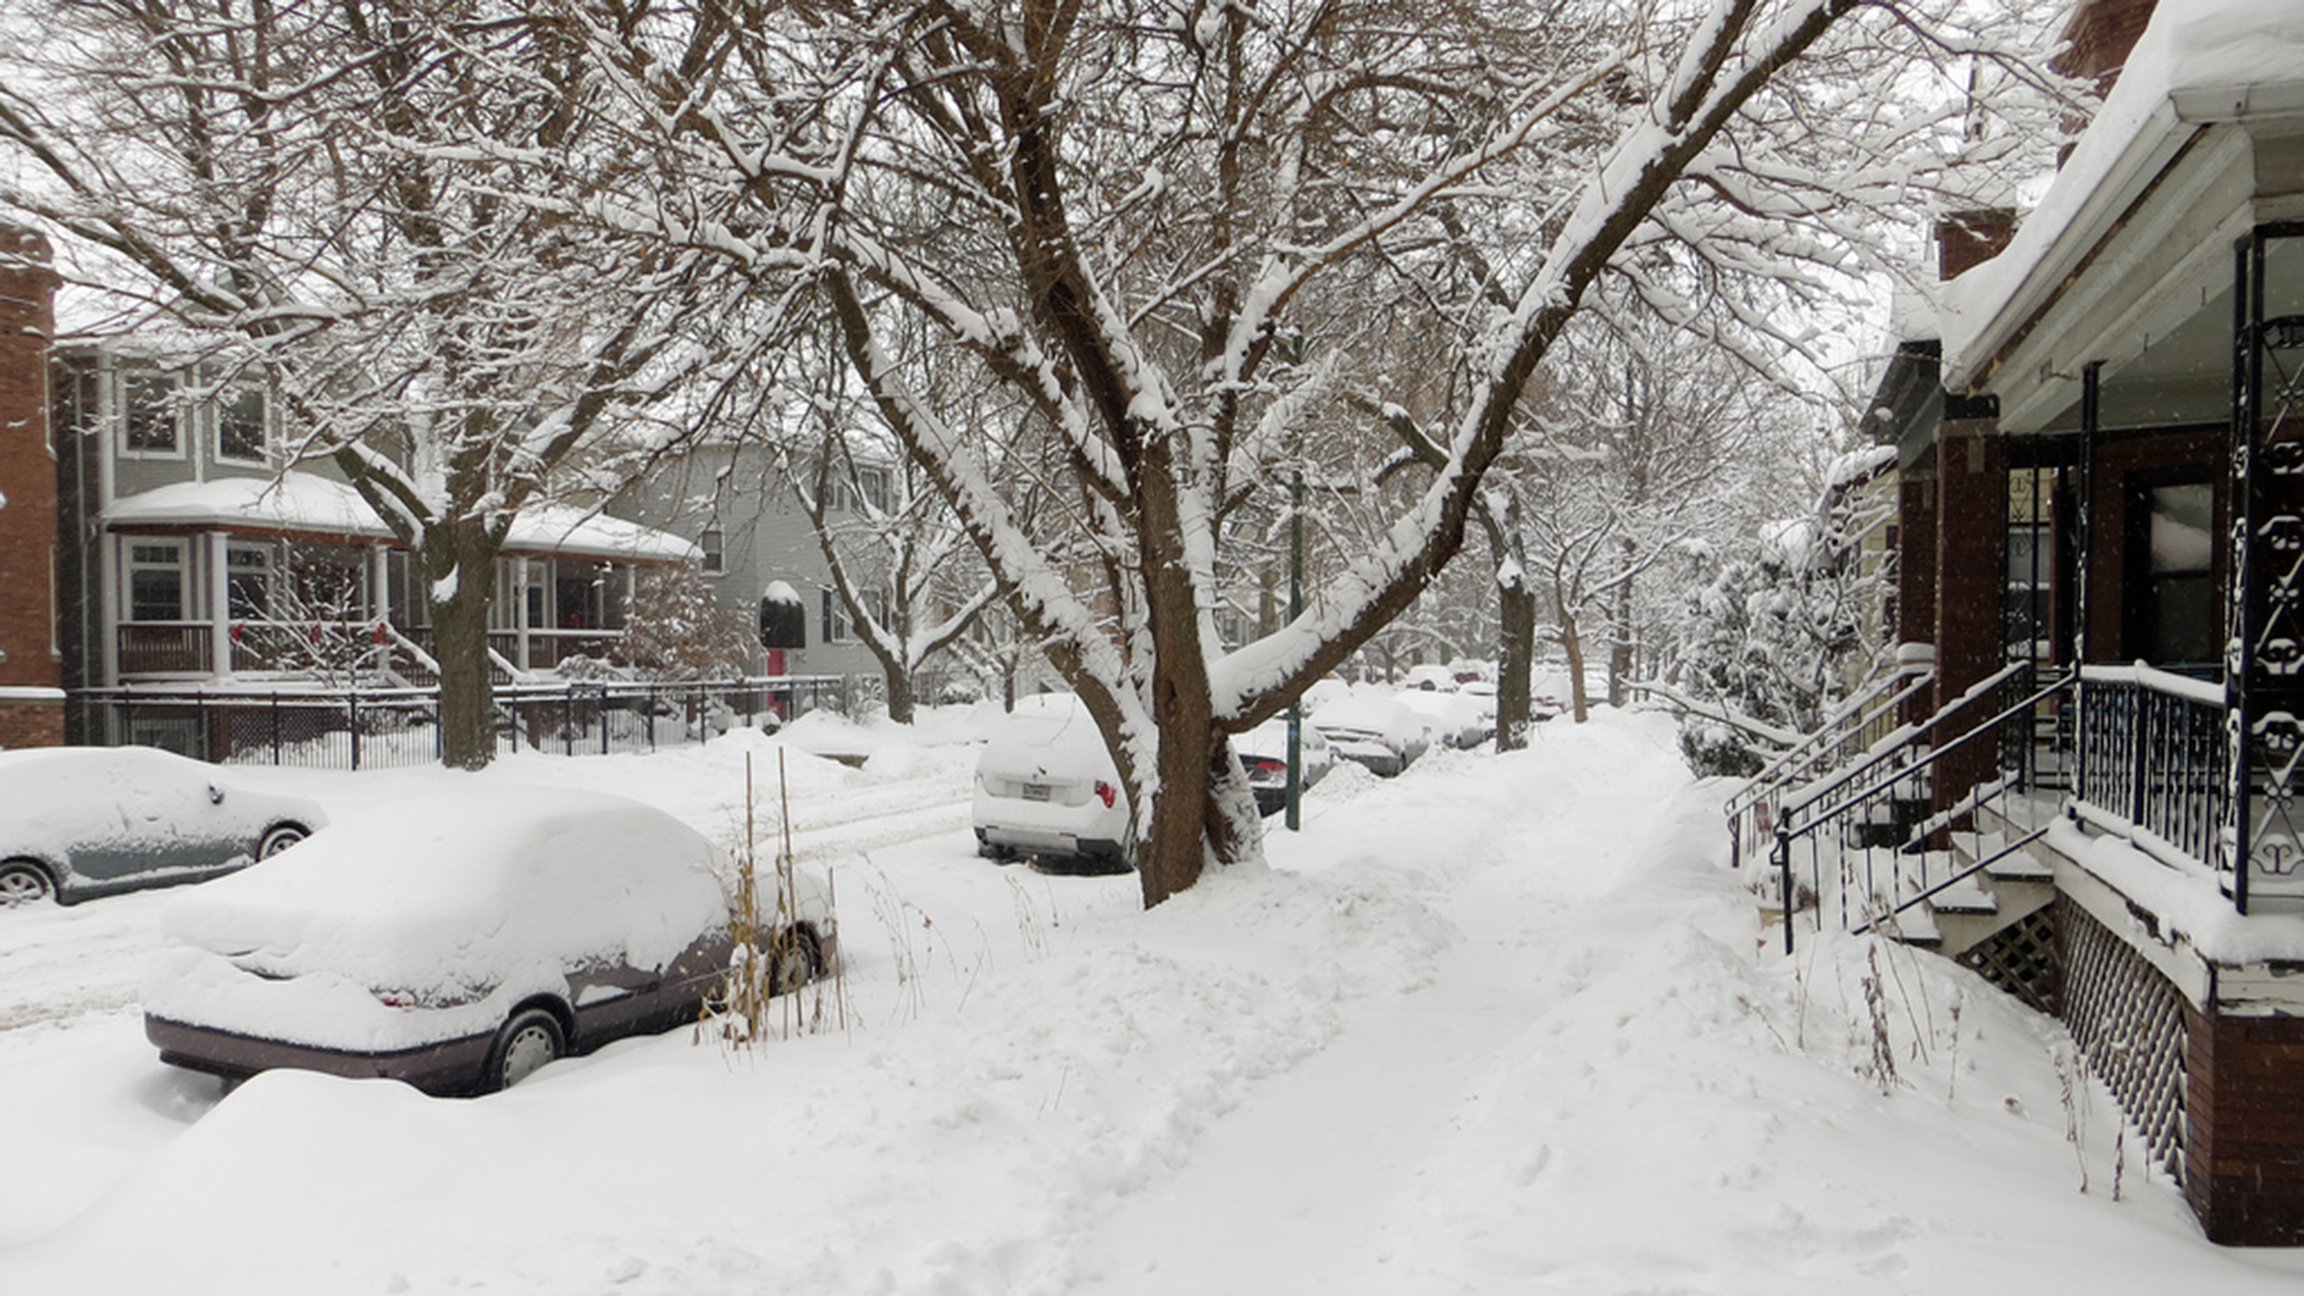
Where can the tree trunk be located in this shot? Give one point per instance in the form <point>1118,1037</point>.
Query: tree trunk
<point>900,696</point>
<point>1516,609</point>
<point>1572,642</point>
<point>460,642</point>
<point>1620,644</point>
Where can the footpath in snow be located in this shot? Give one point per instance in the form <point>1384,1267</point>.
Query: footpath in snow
<point>1501,1025</point>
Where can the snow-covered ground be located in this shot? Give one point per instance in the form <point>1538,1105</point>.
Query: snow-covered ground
<point>1500,1025</point>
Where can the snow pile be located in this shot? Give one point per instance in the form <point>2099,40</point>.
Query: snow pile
<point>1500,1025</point>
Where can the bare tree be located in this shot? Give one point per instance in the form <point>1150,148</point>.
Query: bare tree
<point>1148,225</point>
<point>330,194</point>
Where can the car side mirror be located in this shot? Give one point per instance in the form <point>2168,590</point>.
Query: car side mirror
<point>215,795</point>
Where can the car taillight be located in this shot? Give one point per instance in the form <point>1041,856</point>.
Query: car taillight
<point>395,998</point>
<point>1266,765</point>
<point>1106,793</point>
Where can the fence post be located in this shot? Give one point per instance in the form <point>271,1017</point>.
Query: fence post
<point>1784,877</point>
<point>568,723</point>
<point>352,702</point>
<point>274,712</point>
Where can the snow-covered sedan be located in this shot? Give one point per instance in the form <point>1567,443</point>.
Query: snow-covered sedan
<point>460,942</point>
<point>77,822</point>
<point>1263,753</point>
<point>1046,789</point>
<point>1377,730</point>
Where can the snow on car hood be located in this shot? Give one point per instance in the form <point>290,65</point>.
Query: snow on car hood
<point>458,890</point>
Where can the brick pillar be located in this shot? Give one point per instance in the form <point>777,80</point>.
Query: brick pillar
<point>31,701</point>
<point>2244,1127</point>
<point>1916,573</point>
<point>1971,532</point>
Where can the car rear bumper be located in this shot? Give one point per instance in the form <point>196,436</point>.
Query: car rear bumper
<point>448,1067</point>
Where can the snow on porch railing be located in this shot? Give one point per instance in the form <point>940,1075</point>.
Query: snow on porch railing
<point>1877,841</point>
<point>2152,762</point>
<point>1855,728</point>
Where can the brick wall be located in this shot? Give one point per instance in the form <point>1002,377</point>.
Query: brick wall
<point>2244,1148</point>
<point>31,724</point>
<point>27,474</point>
<point>2102,34</point>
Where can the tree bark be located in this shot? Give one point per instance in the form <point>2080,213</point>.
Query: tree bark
<point>900,695</point>
<point>1572,642</point>
<point>460,641</point>
<point>1516,608</point>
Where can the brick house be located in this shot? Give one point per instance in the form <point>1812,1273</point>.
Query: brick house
<point>31,696</point>
<point>2093,799</point>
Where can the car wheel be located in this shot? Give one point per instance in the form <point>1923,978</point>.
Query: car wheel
<point>23,882</point>
<point>799,958</point>
<point>528,1041</point>
<point>278,838</point>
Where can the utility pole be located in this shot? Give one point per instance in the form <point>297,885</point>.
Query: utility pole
<point>1295,817</point>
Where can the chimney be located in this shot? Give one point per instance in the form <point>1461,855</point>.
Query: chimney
<point>2098,38</point>
<point>1967,239</point>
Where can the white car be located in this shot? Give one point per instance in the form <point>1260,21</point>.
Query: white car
<point>1457,719</point>
<point>460,942</point>
<point>1377,730</point>
<point>78,822</point>
<point>1430,678</point>
<point>1046,789</point>
<point>1263,753</point>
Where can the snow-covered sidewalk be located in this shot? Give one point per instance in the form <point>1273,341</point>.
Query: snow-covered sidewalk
<point>1500,1025</point>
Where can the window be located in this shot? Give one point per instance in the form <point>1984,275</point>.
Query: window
<point>148,414</point>
<point>873,483</point>
<point>156,580</point>
<point>715,555</point>
<point>836,628</point>
<point>248,581</point>
<point>240,433</point>
<point>2178,617</point>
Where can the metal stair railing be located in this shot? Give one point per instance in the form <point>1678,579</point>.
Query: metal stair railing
<point>1864,721</point>
<point>1879,826</point>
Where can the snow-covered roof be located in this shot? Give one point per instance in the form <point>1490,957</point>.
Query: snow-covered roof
<point>2198,63</point>
<point>302,503</point>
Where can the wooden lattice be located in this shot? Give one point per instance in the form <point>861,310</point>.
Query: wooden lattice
<point>2022,960</point>
<point>2129,1020</point>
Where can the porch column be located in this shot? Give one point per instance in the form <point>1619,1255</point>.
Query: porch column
<point>521,576</point>
<point>219,605</point>
<point>1971,532</point>
<point>2264,667</point>
<point>380,582</point>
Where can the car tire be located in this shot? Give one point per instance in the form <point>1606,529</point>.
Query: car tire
<point>23,882</point>
<point>278,838</point>
<point>530,1040</point>
<point>799,958</point>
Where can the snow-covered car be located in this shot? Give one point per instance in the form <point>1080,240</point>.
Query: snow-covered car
<point>1430,677</point>
<point>77,822</point>
<point>461,942</point>
<point>1046,789</point>
<point>1263,753</point>
<point>1456,719</point>
<point>1377,730</point>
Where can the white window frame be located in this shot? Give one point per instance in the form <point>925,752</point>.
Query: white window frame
<point>714,542</point>
<point>132,563</point>
<point>124,412</point>
<point>271,574</point>
<point>835,623</point>
<point>216,411</point>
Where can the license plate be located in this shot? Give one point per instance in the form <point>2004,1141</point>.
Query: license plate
<point>1035,791</point>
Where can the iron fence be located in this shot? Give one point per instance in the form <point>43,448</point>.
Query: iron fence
<point>2152,760</point>
<point>397,728</point>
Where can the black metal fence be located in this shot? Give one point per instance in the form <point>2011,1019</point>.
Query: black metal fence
<point>395,728</point>
<point>2152,761</point>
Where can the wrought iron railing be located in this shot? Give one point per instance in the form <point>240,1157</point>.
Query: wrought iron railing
<point>1875,841</point>
<point>1866,720</point>
<point>388,728</point>
<point>2152,761</point>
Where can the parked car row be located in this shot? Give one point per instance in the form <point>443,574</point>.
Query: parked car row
<point>457,945</point>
